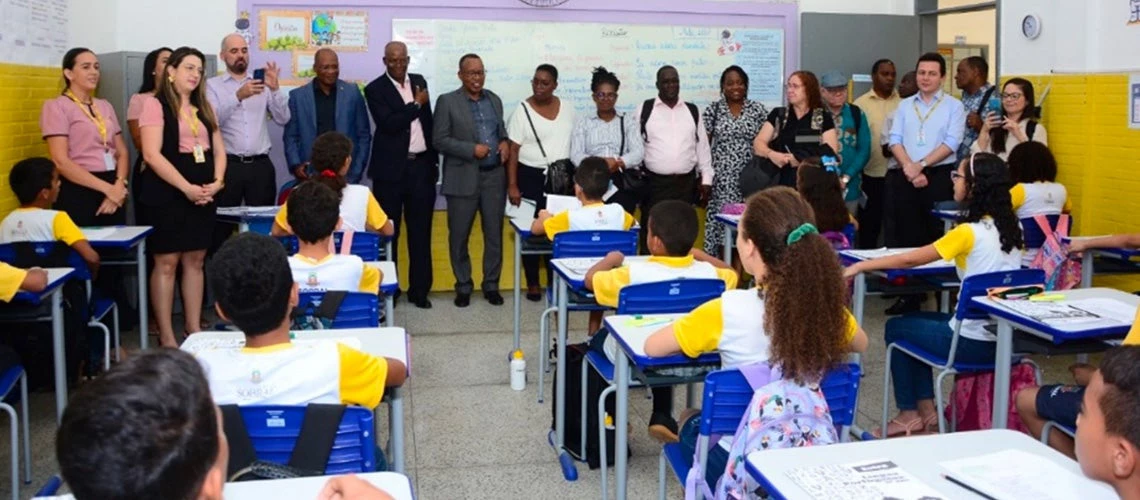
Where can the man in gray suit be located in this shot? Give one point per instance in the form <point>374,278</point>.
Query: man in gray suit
<point>470,133</point>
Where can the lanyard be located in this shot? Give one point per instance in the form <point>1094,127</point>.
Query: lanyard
<point>192,121</point>
<point>922,119</point>
<point>92,114</point>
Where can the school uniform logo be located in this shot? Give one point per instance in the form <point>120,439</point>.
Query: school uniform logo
<point>255,377</point>
<point>313,280</point>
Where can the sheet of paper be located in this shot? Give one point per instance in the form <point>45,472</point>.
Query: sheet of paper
<point>525,210</point>
<point>1017,474</point>
<point>1107,308</point>
<point>98,233</point>
<point>1056,313</point>
<point>866,480</point>
<point>556,203</point>
<point>196,344</point>
<point>643,321</point>
<point>577,267</point>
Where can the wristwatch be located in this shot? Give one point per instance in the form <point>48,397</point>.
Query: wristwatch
<point>922,163</point>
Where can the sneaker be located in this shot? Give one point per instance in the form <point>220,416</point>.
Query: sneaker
<point>906,304</point>
<point>663,428</point>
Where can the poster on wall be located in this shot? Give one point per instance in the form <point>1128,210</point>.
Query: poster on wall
<point>283,30</point>
<point>33,32</point>
<point>340,30</point>
<point>1134,101</point>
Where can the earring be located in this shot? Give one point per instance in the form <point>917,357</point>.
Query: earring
<point>170,79</point>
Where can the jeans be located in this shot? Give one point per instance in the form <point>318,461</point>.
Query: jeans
<point>930,331</point>
<point>717,460</point>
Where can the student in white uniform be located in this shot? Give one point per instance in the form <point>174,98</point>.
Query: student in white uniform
<point>1036,191</point>
<point>315,267</point>
<point>796,318</point>
<point>672,231</point>
<point>359,210</point>
<point>988,239</point>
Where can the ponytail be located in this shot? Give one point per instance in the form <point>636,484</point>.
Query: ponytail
<point>329,153</point>
<point>333,180</point>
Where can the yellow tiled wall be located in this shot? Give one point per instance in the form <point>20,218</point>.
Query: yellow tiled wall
<point>1098,156</point>
<point>23,90</point>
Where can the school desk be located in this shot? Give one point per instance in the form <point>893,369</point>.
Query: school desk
<point>260,220</point>
<point>948,217</point>
<point>729,221</point>
<point>938,276</point>
<point>395,484</point>
<point>1112,261</point>
<point>525,244</point>
<point>57,276</point>
<point>383,342</point>
<point>389,285</point>
<point>123,238</point>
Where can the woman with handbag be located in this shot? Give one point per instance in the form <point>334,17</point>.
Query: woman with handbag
<point>613,136</point>
<point>540,150</point>
<point>803,129</point>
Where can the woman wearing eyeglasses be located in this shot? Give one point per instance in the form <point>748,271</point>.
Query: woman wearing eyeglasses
<point>609,134</point>
<point>1016,124</point>
<point>798,130</point>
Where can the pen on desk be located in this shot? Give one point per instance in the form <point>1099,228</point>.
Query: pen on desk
<point>969,488</point>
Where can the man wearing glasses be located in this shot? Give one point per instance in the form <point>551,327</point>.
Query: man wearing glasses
<point>470,133</point>
<point>404,167</point>
<point>854,136</point>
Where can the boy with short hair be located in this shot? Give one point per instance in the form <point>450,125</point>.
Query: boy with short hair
<point>35,181</point>
<point>591,180</point>
<point>672,232</point>
<point>255,290</point>
<point>314,218</point>
<point>1108,428</point>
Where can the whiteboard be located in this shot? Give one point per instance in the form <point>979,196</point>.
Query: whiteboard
<point>511,50</point>
<point>33,32</point>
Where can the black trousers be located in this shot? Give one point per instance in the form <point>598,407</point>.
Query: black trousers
<point>252,183</point>
<point>909,207</point>
<point>412,200</point>
<point>532,182</point>
<point>661,188</point>
<point>871,214</point>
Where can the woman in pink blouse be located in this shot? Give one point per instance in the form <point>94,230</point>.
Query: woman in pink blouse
<point>86,144</point>
<point>154,70</point>
<point>186,162</point>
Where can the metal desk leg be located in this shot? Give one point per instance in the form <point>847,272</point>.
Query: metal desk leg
<point>144,301</point>
<point>396,427</point>
<point>947,225</point>
<point>388,251</point>
<point>58,352</point>
<point>1087,269</point>
<point>858,302</point>
<point>389,311</point>
<point>243,226</point>
<point>518,295</point>
<point>621,424</point>
<point>727,252</point>
<point>569,470</point>
<point>1002,359</point>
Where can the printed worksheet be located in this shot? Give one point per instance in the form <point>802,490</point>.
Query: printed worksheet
<point>1056,313</point>
<point>867,480</point>
<point>1016,474</point>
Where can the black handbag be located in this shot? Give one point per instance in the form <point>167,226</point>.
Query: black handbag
<point>630,178</point>
<point>560,173</point>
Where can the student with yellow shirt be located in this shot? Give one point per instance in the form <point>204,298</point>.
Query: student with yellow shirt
<point>255,290</point>
<point>987,239</point>
<point>315,267</point>
<point>14,279</point>
<point>358,208</point>
<point>796,318</point>
<point>1036,191</point>
<point>672,230</point>
<point>591,180</point>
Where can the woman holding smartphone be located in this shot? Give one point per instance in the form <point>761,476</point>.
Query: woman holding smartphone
<point>1015,124</point>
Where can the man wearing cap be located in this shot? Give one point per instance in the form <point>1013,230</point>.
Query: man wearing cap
<point>854,135</point>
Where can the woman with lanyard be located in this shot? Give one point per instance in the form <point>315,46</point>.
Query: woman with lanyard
<point>540,139</point>
<point>86,144</point>
<point>186,162</point>
<point>610,135</point>
<point>799,130</point>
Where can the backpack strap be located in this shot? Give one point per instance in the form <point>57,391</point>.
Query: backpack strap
<point>986,99</point>
<point>856,117</point>
<point>696,119</point>
<point>646,110</point>
<point>758,374</point>
<point>318,432</point>
<point>621,123</point>
<point>241,447</point>
<point>1043,223</point>
<point>1063,225</point>
<point>1030,129</point>
<point>330,304</point>
<point>346,242</point>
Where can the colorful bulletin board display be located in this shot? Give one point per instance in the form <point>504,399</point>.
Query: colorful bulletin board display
<point>340,30</point>
<point>283,30</point>
<point>301,70</point>
<point>510,51</point>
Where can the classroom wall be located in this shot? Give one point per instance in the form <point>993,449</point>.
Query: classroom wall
<point>23,89</point>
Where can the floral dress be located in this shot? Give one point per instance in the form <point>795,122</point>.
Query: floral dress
<point>731,140</point>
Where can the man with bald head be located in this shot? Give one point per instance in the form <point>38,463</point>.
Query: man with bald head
<point>244,106</point>
<point>326,104</point>
<point>404,167</point>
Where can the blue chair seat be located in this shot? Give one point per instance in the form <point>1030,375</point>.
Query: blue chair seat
<point>940,360</point>
<point>9,378</point>
<point>678,460</point>
<point>100,308</point>
<point>601,364</point>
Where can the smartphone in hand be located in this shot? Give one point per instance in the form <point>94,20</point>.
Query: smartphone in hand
<point>259,74</point>
<point>994,106</point>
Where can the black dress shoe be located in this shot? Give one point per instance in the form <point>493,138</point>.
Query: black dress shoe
<point>422,303</point>
<point>534,294</point>
<point>494,298</point>
<point>905,304</point>
<point>462,300</point>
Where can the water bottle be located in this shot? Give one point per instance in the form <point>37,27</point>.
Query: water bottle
<point>518,371</point>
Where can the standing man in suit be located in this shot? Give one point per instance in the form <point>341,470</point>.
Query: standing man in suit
<point>470,133</point>
<point>404,165</point>
<point>326,104</point>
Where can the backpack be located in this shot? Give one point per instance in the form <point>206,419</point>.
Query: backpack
<point>572,435</point>
<point>1061,271</point>
<point>972,400</point>
<point>647,109</point>
<point>837,239</point>
<point>317,314</point>
<point>310,453</point>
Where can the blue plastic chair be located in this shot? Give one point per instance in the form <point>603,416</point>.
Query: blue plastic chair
<point>98,308</point>
<point>358,310</point>
<point>849,232</point>
<point>662,297</point>
<point>50,488</point>
<point>726,399</point>
<point>364,245</point>
<point>1050,425</point>
<point>570,244</point>
<point>274,431</point>
<point>973,286</point>
<point>8,381</point>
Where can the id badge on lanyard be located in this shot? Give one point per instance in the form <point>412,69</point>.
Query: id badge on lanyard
<point>109,160</point>
<point>199,154</point>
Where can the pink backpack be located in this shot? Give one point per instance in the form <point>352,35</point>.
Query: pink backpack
<point>1061,271</point>
<point>973,398</point>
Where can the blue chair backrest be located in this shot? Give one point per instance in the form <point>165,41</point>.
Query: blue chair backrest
<point>44,248</point>
<point>260,226</point>
<point>274,431</point>
<point>358,310</point>
<point>364,245</point>
<point>1033,235</point>
<point>727,395</point>
<point>664,297</point>
<point>976,285</point>
<point>594,243</point>
<point>849,232</point>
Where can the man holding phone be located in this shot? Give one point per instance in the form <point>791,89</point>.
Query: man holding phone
<point>244,104</point>
<point>977,93</point>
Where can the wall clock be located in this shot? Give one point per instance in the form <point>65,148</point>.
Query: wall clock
<point>1031,26</point>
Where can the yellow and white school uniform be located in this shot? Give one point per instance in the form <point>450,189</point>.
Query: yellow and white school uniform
<point>1039,198</point>
<point>295,374</point>
<point>334,272</point>
<point>39,225</point>
<point>359,210</point>
<point>593,217</point>
<point>10,280</point>
<point>975,248</point>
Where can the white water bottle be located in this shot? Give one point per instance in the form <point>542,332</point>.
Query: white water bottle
<point>518,371</point>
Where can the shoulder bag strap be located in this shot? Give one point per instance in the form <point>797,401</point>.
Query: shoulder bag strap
<point>985,99</point>
<point>345,243</point>
<point>621,123</point>
<point>241,447</point>
<point>318,432</point>
<point>1043,223</point>
<point>535,132</point>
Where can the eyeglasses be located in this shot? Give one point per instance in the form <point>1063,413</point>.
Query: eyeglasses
<point>605,96</point>
<point>955,176</point>
<point>1011,95</point>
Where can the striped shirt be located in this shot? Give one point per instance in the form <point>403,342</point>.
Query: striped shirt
<point>593,136</point>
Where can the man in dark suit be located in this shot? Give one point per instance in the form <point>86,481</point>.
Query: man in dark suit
<point>404,164</point>
<point>470,133</point>
<point>325,104</point>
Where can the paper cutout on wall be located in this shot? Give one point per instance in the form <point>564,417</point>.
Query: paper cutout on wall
<point>283,30</point>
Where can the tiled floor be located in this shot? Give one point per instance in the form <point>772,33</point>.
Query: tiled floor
<point>471,436</point>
